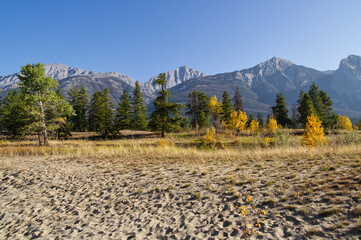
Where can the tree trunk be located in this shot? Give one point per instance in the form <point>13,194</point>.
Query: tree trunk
<point>162,133</point>
<point>40,143</point>
<point>45,132</point>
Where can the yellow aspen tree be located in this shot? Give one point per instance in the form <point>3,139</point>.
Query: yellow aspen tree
<point>237,121</point>
<point>272,125</point>
<point>254,126</point>
<point>215,109</point>
<point>210,136</point>
<point>314,134</point>
<point>344,123</point>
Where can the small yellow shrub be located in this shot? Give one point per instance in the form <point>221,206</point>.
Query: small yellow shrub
<point>272,126</point>
<point>314,134</point>
<point>254,126</point>
<point>344,123</point>
<point>237,121</point>
<point>210,136</point>
<point>267,141</point>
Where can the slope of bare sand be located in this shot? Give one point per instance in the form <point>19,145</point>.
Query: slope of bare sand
<point>70,199</point>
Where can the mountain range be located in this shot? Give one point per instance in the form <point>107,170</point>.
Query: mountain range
<point>258,85</point>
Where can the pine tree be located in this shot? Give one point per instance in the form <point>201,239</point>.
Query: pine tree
<point>250,119</point>
<point>280,111</point>
<point>13,114</point>
<point>39,92</point>
<point>107,113</point>
<point>93,110</point>
<point>238,102</point>
<point>304,107</point>
<point>101,113</point>
<point>260,119</point>
<point>322,105</point>
<point>123,114</point>
<point>139,111</point>
<point>227,106</point>
<point>198,109</point>
<point>79,101</point>
<point>166,116</point>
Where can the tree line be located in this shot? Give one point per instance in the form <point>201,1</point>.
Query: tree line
<point>40,107</point>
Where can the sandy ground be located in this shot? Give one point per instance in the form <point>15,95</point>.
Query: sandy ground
<point>45,198</point>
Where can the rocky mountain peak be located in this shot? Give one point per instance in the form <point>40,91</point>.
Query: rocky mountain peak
<point>272,65</point>
<point>351,63</point>
<point>174,78</point>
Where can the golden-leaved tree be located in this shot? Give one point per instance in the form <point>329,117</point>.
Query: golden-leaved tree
<point>272,125</point>
<point>344,123</point>
<point>314,134</point>
<point>237,121</point>
<point>215,108</point>
<point>254,126</point>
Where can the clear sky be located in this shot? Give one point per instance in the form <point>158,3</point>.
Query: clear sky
<point>142,38</point>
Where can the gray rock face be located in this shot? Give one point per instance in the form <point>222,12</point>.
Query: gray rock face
<point>344,86</point>
<point>69,77</point>
<point>174,78</point>
<point>258,85</point>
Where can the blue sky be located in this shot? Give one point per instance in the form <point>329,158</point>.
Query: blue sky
<point>142,38</point>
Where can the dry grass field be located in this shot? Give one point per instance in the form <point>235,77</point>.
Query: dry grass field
<point>149,188</point>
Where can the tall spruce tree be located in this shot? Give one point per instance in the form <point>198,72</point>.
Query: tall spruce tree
<point>14,116</point>
<point>79,101</point>
<point>101,113</point>
<point>322,106</point>
<point>123,114</point>
<point>280,111</point>
<point>198,109</point>
<point>227,106</point>
<point>250,119</point>
<point>39,92</point>
<point>304,107</point>
<point>139,111</point>
<point>166,116</point>
<point>260,119</point>
<point>238,101</point>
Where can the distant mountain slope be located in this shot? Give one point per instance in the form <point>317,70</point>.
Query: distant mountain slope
<point>258,85</point>
<point>69,77</point>
<point>344,86</point>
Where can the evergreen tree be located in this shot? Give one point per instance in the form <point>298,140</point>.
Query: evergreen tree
<point>79,101</point>
<point>139,111</point>
<point>322,106</point>
<point>198,109</point>
<point>304,107</point>
<point>260,119</point>
<point>280,111</point>
<point>250,119</point>
<point>123,115</point>
<point>39,92</point>
<point>227,106</point>
<point>101,113</point>
<point>13,114</point>
<point>238,102</point>
<point>93,110</point>
<point>166,116</point>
